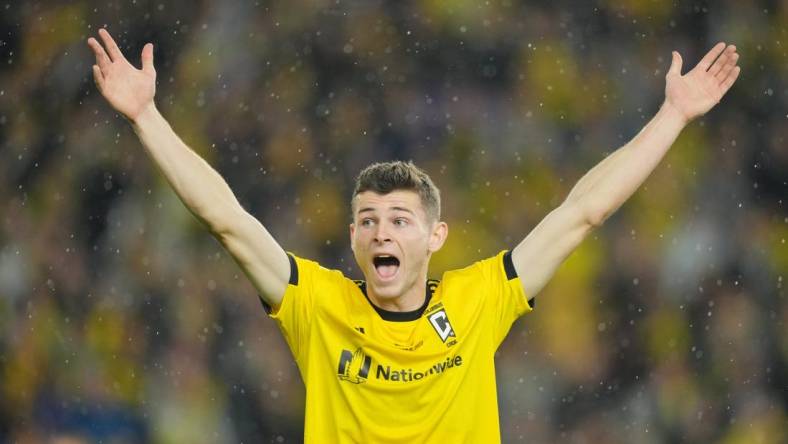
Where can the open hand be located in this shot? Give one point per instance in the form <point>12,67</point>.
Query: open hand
<point>696,92</point>
<point>129,90</point>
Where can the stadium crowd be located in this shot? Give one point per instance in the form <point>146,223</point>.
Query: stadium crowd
<point>122,320</point>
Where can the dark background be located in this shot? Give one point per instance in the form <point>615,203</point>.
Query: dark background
<point>122,320</point>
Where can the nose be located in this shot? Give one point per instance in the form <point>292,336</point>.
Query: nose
<point>381,233</point>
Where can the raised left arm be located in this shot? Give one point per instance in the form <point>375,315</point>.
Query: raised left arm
<point>610,183</point>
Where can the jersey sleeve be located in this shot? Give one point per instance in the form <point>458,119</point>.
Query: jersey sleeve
<point>295,312</point>
<point>507,300</point>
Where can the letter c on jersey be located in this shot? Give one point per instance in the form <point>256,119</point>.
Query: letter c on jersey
<point>440,322</point>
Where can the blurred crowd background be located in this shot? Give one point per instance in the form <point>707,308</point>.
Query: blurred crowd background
<point>122,320</point>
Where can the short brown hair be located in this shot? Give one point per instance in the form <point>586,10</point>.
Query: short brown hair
<point>385,177</point>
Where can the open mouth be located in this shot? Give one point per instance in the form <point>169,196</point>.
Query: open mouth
<point>386,266</point>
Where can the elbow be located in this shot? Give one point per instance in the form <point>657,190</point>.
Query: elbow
<point>224,223</point>
<point>588,213</point>
<point>595,218</point>
<point>591,214</point>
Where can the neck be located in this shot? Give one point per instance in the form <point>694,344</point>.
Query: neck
<point>410,300</point>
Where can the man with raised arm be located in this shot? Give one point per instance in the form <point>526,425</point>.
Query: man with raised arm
<point>398,357</point>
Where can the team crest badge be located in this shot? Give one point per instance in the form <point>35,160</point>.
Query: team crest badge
<point>440,322</point>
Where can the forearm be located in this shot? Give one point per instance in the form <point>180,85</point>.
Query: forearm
<point>201,188</point>
<point>602,190</point>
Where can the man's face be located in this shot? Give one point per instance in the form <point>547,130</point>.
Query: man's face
<point>392,239</point>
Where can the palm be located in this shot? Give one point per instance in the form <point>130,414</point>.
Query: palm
<point>696,92</point>
<point>128,89</point>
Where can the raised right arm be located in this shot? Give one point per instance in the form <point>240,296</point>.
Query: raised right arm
<point>204,192</point>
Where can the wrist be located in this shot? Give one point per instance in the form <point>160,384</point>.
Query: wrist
<point>673,114</point>
<point>146,114</point>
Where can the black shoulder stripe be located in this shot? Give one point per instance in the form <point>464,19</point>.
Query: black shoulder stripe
<point>508,266</point>
<point>293,270</point>
<point>532,302</point>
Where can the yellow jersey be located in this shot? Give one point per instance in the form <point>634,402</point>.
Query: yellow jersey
<point>376,376</point>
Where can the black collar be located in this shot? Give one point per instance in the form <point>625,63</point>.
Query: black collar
<point>401,316</point>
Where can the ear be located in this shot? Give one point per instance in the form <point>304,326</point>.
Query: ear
<point>352,237</point>
<point>438,236</point>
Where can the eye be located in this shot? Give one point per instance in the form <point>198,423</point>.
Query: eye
<point>367,222</point>
<point>400,222</point>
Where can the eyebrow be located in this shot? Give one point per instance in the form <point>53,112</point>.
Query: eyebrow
<point>403,209</point>
<point>370,209</point>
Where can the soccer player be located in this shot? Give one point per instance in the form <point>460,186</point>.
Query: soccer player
<point>397,357</point>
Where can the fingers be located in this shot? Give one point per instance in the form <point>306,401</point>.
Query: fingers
<point>112,47</point>
<point>728,82</point>
<point>723,60</point>
<point>725,70</point>
<point>147,58</point>
<point>675,64</point>
<point>710,56</point>
<point>98,77</point>
<point>102,59</point>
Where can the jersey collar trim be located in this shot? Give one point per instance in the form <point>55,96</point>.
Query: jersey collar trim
<point>400,316</point>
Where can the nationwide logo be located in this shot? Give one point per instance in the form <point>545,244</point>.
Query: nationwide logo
<point>408,374</point>
<point>354,367</point>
